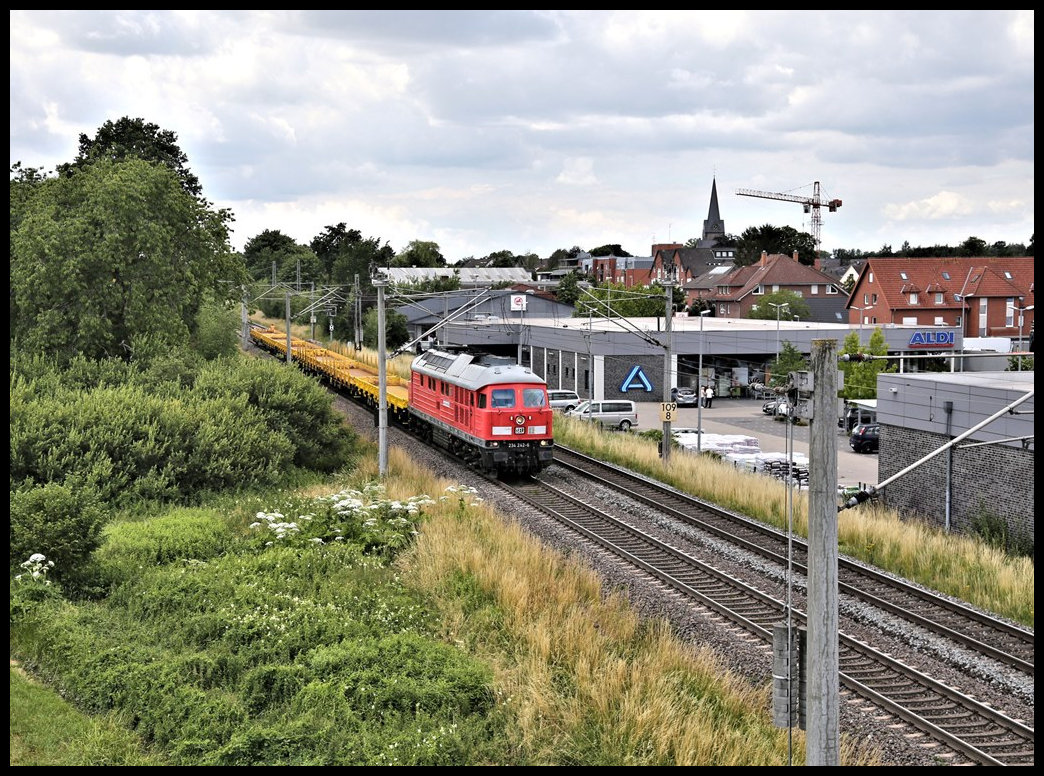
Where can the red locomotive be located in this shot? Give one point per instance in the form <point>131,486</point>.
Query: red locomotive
<point>487,410</point>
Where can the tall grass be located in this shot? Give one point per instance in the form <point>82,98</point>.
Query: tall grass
<point>959,565</point>
<point>46,730</point>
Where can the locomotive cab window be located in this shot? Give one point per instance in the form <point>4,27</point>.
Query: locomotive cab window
<point>533,397</point>
<point>503,398</point>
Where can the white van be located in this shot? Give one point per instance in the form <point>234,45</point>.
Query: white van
<point>611,413</point>
<point>562,400</point>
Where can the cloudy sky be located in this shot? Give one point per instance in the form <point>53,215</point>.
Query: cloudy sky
<point>530,131</point>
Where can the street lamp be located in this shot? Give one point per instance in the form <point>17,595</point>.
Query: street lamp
<point>778,307</point>
<point>1021,310</point>
<point>699,390</point>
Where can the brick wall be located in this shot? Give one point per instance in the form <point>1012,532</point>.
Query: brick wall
<point>995,478</point>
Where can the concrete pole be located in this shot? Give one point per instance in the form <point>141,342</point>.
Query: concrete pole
<point>288,359</point>
<point>822,740</point>
<point>382,380</point>
<point>243,317</point>
<point>699,390</point>
<point>668,288</point>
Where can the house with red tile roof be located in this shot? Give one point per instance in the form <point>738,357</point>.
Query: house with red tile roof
<point>733,291</point>
<point>985,296</point>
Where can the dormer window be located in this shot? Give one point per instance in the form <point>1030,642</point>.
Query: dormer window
<point>913,297</point>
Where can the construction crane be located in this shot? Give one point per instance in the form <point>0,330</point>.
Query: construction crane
<point>810,204</point>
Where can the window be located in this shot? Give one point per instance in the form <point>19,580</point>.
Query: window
<point>831,290</point>
<point>866,298</point>
<point>939,321</point>
<point>1007,274</point>
<point>939,298</point>
<point>946,275</point>
<point>533,397</point>
<point>758,290</point>
<point>482,401</point>
<point>903,276</point>
<point>910,321</point>
<point>874,297</point>
<point>815,289</point>
<point>503,398</point>
<point>1009,311</point>
<point>870,277</point>
<point>913,297</point>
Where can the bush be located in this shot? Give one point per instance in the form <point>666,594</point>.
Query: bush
<point>131,445</point>
<point>61,522</point>
<point>291,402</point>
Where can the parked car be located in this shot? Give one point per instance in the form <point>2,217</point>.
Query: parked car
<point>777,406</point>
<point>616,413</point>
<point>562,400</point>
<point>684,396</point>
<point>864,438</point>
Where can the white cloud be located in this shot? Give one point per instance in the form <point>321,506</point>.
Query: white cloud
<point>536,130</point>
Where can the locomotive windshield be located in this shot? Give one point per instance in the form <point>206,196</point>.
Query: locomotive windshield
<point>534,397</point>
<point>502,398</point>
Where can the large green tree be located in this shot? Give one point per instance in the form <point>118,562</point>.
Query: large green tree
<point>789,359</point>
<point>138,138</point>
<point>568,290</point>
<point>114,258</point>
<point>609,250</point>
<point>860,377</point>
<point>420,253</point>
<point>774,239</point>
<point>797,308</point>
<point>291,259</point>
<point>613,300</point>
<point>329,245</point>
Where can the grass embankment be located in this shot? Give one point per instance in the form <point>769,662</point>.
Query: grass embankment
<point>226,646</point>
<point>222,641</point>
<point>958,565</point>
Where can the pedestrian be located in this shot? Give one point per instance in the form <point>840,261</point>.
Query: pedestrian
<point>709,396</point>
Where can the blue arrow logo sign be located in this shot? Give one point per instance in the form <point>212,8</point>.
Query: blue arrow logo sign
<point>636,379</point>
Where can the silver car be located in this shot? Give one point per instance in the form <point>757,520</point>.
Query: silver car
<point>562,400</point>
<point>611,413</point>
<point>684,396</point>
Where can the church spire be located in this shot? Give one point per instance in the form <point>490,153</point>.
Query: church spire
<point>713,227</point>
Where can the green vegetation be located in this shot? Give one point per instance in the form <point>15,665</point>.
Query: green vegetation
<point>46,730</point>
<point>206,569</point>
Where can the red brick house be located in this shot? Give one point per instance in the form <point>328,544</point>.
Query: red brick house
<point>985,296</point>
<point>733,291</point>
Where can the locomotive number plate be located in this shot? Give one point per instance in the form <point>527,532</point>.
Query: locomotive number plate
<point>520,430</point>
<point>517,445</point>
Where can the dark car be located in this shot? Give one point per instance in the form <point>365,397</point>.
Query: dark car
<point>864,438</point>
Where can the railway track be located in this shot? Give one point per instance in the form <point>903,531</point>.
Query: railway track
<point>988,636</point>
<point>960,723</point>
<point>956,720</point>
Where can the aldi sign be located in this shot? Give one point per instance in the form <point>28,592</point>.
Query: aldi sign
<point>932,339</point>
